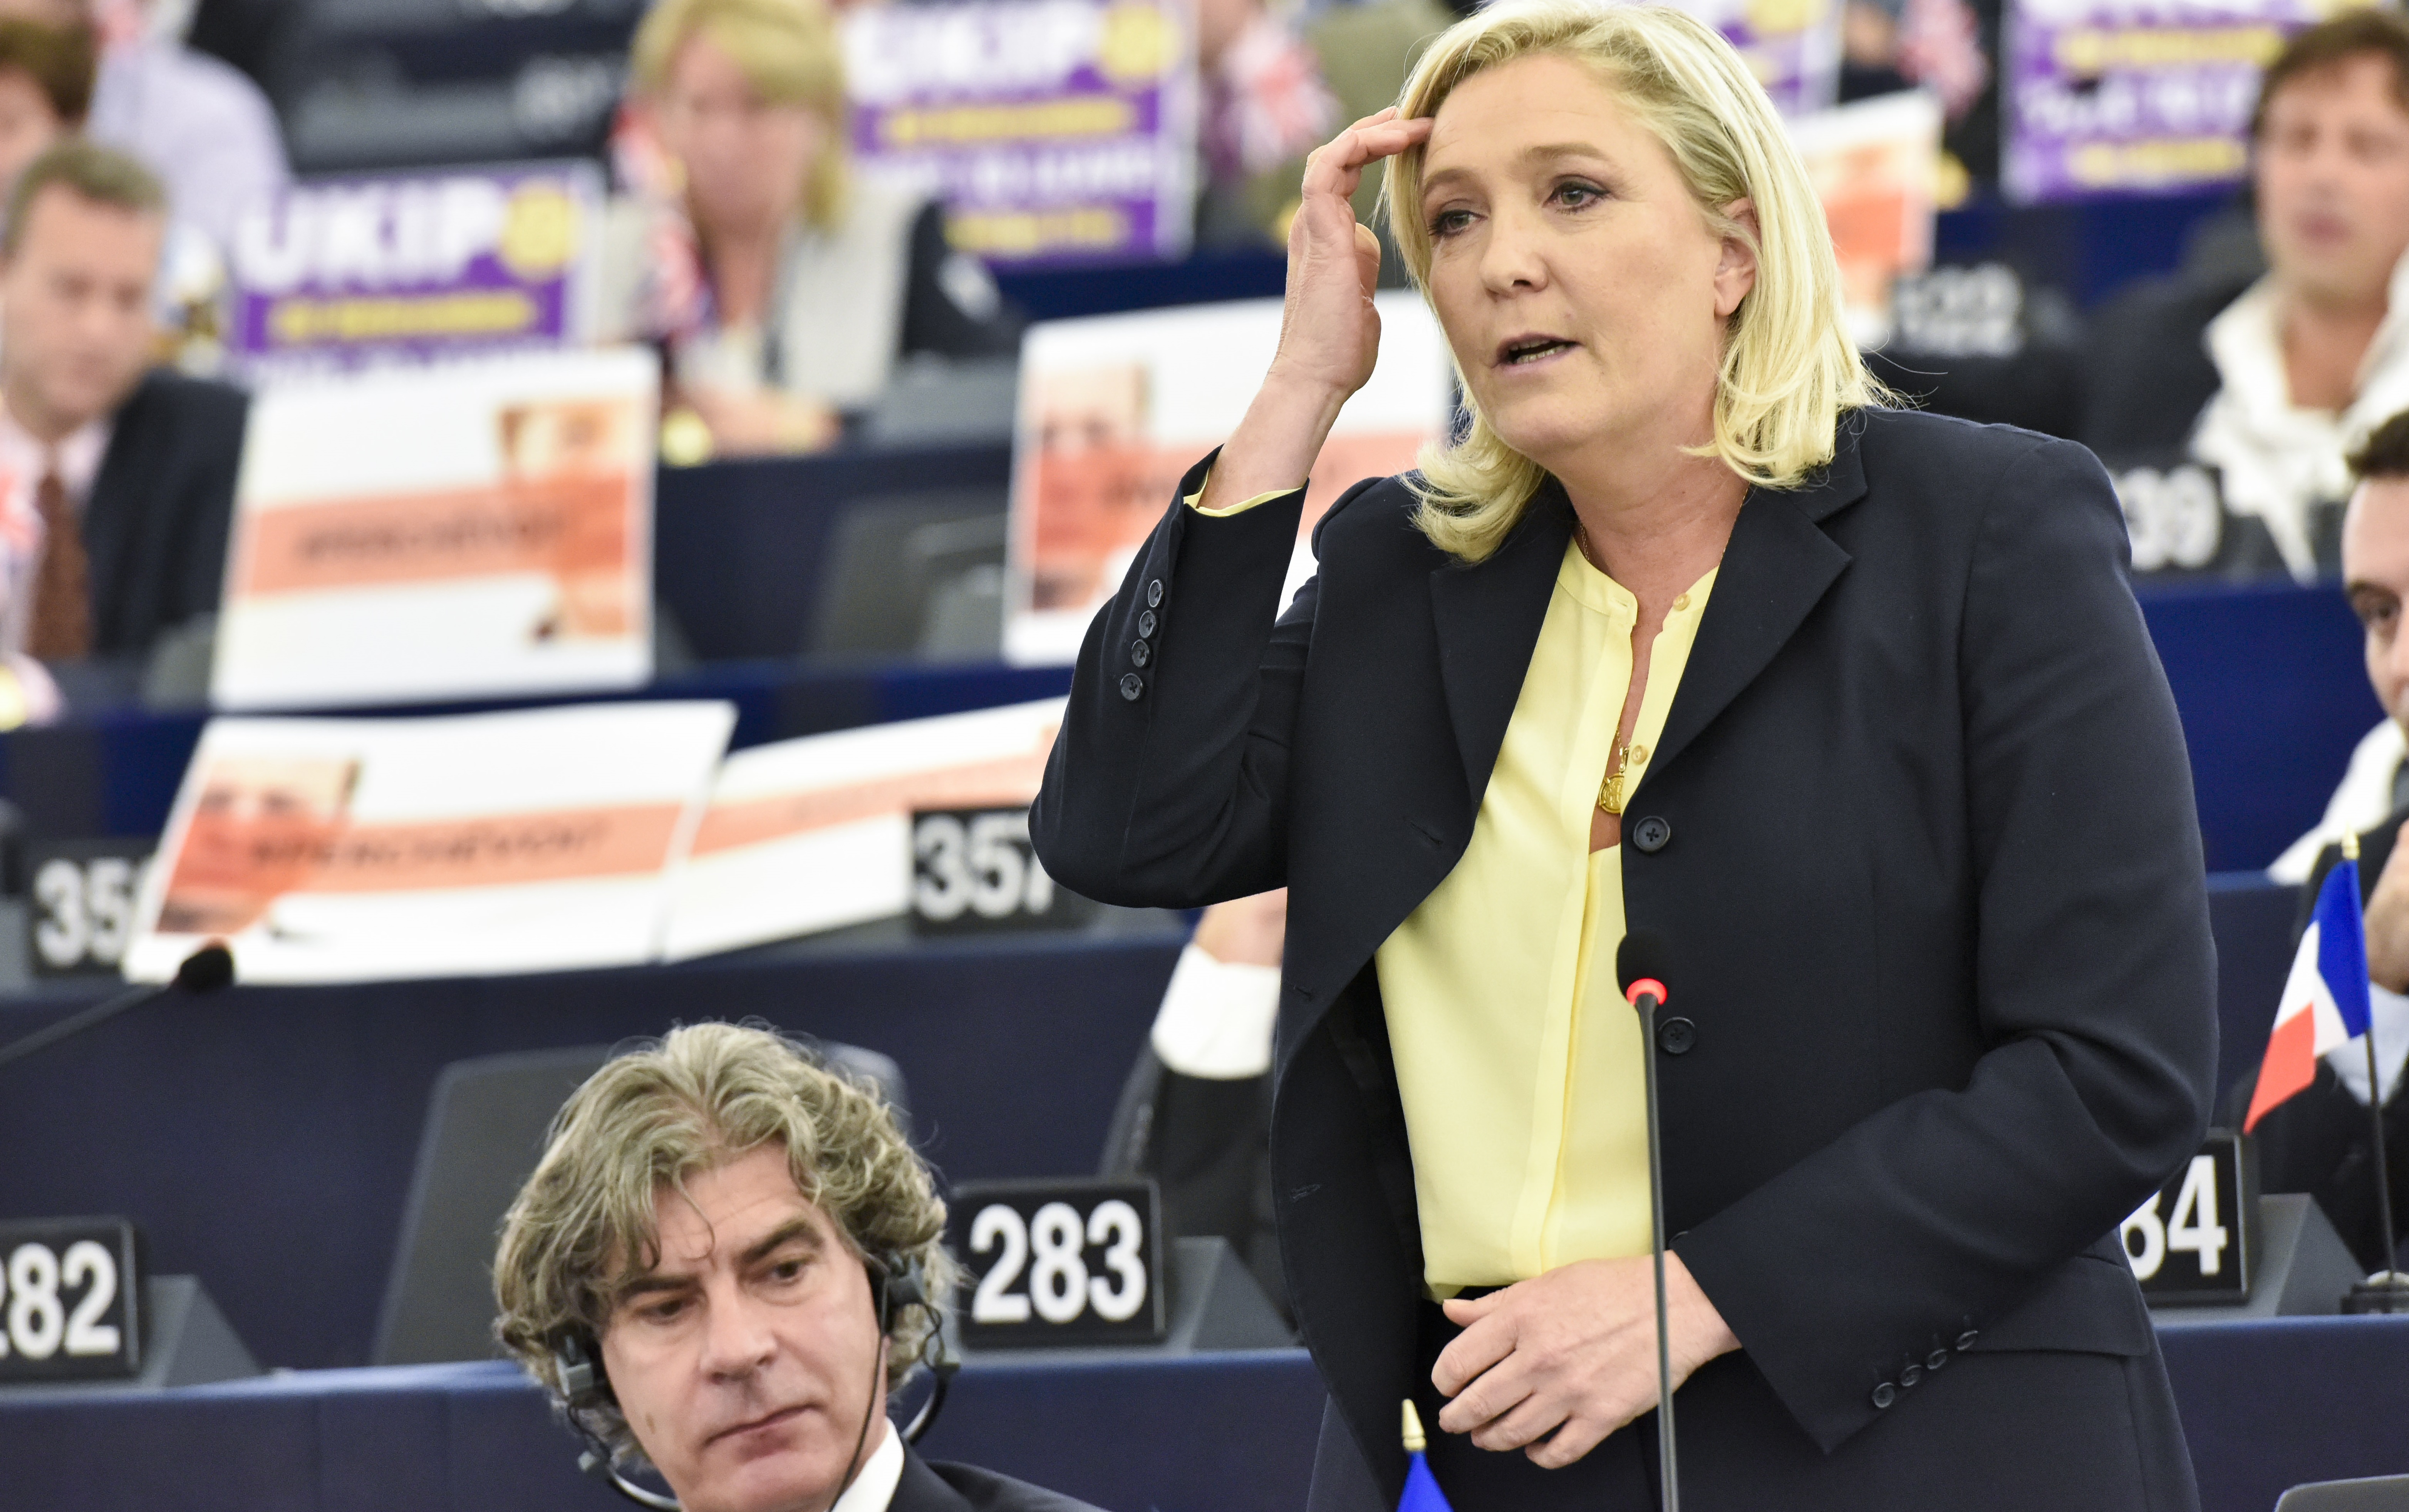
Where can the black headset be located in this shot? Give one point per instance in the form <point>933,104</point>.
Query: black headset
<point>902,1284</point>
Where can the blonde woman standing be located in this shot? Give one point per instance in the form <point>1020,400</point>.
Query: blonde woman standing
<point>1852,707</point>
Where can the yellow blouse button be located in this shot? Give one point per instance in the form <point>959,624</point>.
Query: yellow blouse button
<point>1682,602</point>
<point>1638,756</point>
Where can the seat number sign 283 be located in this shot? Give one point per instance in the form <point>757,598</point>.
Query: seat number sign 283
<point>1059,1262</point>
<point>69,1299</point>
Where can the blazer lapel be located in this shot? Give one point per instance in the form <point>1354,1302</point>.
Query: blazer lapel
<point>922,1489</point>
<point>1488,616</point>
<point>1774,572</point>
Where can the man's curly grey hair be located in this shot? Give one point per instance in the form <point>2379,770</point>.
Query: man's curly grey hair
<point>671,1110</point>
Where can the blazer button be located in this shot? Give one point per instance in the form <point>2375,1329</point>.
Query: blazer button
<point>1154,593</point>
<point>1908,1377</point>
<point>1131,685</point>
<point>1650,833</point>
<point>1676,1035</point>
<point>1885,1395</point>
<point>1936,1359</point>
<point>1139,653</point>
<point>1966,1339</point>
<point>1145,622</point>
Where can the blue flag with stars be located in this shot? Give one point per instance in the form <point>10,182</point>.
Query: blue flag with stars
<point>1421,1488</point>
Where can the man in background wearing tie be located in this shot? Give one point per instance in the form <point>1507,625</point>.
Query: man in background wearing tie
<point>116,476</point>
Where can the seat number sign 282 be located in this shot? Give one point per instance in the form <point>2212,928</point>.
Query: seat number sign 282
<point>69,1309</point>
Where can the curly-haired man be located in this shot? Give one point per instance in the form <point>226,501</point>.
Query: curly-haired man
<point>719,1268</point>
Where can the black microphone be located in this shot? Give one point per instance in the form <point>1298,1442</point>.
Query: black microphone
<point>204,970</point>
<point>1640,965</point>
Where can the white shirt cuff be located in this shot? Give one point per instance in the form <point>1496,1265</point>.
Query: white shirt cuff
<point>2390,1014</point>
<point>1217,1017</point>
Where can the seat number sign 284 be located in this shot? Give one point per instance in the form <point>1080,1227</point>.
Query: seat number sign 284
<point>2188,1243</point>
<point>1059,1262</point>
<point>69,1309</point>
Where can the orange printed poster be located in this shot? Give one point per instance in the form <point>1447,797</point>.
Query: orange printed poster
<point>474,530</point>
<point>325,849</point>
<point>1875,166</point>
<point>815,833</point>
<point>1114,408</point>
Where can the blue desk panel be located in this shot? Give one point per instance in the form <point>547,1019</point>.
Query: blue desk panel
<point>2266,1405</point>
<point>264,1138</point>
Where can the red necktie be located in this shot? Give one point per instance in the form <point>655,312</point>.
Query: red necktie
<point>60,630</point>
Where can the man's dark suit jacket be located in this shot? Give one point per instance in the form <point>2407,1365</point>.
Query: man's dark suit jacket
<point>2319,1141</point>
<point>156,526</point>
<point>934,1486</point>
<point>1920,834</point>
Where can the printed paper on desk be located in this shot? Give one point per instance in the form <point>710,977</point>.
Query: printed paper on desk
<point>1115,408</point>
<point>340,850</point>
<point>815,833</point>
<point>1874,164</point>
<point>474,530</point>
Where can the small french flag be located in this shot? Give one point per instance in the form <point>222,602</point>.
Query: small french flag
<point>2325,1000</point>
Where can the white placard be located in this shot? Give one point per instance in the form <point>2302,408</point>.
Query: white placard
<point>1875,168</point>
<point>1115,408</point>
<point>336,850</point>
<point>472,530</point>
<point>815,833</point>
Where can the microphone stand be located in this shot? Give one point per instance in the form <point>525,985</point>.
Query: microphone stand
<point>2385,1292</point>
<point>1646,996</point>
<point>204,970</point>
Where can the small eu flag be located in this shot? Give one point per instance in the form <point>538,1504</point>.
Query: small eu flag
<point>1422,1489</point>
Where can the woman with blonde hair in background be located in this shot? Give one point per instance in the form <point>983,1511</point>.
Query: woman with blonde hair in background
<point>781,286</point>
<point>1850,709</point>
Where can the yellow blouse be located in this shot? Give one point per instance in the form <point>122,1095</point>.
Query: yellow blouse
<point>1517,1062</point>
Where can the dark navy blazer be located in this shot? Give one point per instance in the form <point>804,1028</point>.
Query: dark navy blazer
<point>1920,834</point>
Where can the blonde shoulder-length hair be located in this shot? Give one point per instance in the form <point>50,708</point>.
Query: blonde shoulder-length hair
<point>789,52</point>
<point>1789,368</point>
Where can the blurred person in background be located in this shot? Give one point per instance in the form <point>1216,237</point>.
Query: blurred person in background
<point>2375,537</point>
<point>1196,1113</point>
<point>45,78</point>
<point>203,127</point>
<point>1944,46</point>
<point>1266,107</point>
<point>2318,1142</point>
<point>2272,378</point>
<point>781,286</point>
<point>116,476</point>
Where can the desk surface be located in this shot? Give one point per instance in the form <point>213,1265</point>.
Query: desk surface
<point>2265,1405</point>
<point>2268,677</point>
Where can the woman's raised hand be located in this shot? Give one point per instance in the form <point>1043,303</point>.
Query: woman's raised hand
<point>1329,334</point>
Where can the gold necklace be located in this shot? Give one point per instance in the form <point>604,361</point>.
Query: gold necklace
<point>1609,793</point>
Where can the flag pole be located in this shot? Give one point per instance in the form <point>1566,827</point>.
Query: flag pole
<point>2375,1117</point>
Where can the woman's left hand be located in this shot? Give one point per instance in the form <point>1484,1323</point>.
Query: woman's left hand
<point>1572,1351</point>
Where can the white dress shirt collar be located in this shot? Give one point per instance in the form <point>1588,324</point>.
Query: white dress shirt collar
<point>873,1486</point>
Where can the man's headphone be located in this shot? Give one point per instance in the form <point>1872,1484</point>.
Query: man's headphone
<point>902,1284</point>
